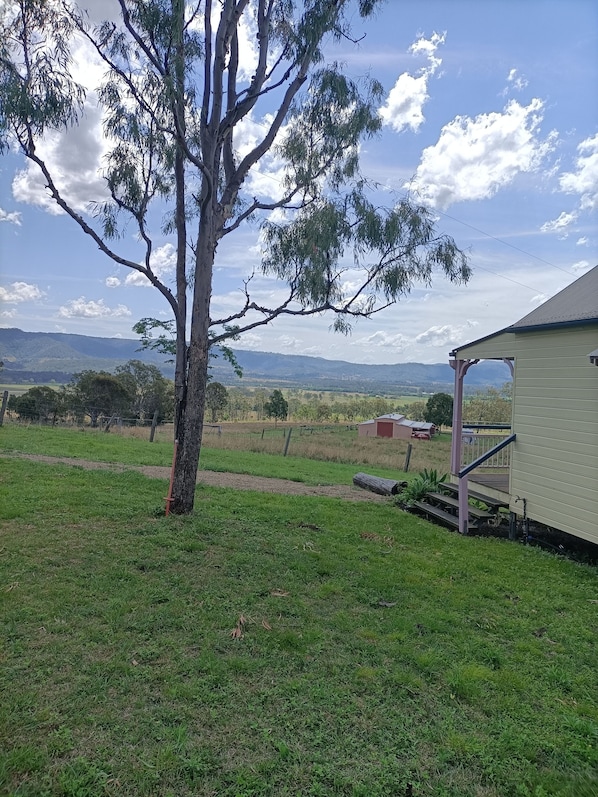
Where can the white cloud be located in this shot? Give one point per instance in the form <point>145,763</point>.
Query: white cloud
<point>581,266</point>
<point>81,308</point>
<point>515,81</point>
<point>292,344</point>
<point>444,335</point>
<point>73,156</point>
<point>163,262</point>
<point>251,341</point>
<point>11,218</point>
<point>560,224</point>
<point>384,340</point>
<point>584,181</point>
<point>475,158</point>
<point>539,298</point>
<point>19,292</point>
<point>8,314</point>
<point>74,160</point>
<point>404,104</point>
<point>583,241</point>
<point>112,282</point>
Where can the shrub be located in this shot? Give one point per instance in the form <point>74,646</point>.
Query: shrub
<point>426,481</point>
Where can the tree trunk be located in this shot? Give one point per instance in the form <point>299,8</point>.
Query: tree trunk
<point>192,409</point>
<point>190,431</point>
<point>376,484</point>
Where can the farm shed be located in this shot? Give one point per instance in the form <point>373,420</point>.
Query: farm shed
<point>395,426</point>
<point>551,473</point>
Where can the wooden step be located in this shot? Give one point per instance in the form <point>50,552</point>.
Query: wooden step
<point>440,514</point>
<point>479,514</point>
<point>493,504</point>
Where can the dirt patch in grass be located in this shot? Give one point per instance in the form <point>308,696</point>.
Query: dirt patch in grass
<point>237,481</point>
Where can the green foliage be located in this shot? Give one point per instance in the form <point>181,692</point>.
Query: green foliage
<point>165,341</point>
<point>277,406</point>
<point>427,481</point>
<point>216,399</point>
<point>439,410</point>
<point>41,403</point>
<point>98,393</point>
<point>490,406</point>
<point>149,390</point>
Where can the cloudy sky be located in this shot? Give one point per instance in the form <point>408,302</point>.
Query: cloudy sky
<point>490,117</point>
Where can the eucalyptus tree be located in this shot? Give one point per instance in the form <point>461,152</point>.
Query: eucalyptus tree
<point>277,406</point>
<point>177,102</point>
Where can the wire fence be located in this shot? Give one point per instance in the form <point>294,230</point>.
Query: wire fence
<point>326,442</point>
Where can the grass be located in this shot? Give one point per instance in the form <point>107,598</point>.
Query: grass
<point>134,449</point>
<point>272,645</point>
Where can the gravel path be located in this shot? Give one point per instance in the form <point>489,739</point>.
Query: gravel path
<point>237,481</point>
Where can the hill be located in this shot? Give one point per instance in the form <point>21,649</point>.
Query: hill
<point>41,357</point>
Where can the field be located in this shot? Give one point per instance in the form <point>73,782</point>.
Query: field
<point>232,445</point>
<point>276,645</point>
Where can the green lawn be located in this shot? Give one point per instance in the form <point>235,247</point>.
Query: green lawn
<point>272,645</point>
<point>94,444</point>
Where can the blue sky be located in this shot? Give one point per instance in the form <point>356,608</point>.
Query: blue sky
<point>490,117</point>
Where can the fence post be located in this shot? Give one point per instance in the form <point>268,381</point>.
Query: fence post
<point>3,408</point>
<point>287,441</point>
<point>154,424</point>
<point>408,457</point>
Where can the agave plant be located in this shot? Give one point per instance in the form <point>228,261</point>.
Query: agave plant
<point>426,481</point>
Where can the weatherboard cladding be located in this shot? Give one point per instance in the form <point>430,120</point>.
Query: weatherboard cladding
<point>554,462</point>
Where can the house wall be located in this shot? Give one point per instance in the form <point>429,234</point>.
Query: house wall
<point>555,416</point>
<point>554,460</point>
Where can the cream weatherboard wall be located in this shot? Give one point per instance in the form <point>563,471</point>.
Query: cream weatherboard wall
<point>554,460</point>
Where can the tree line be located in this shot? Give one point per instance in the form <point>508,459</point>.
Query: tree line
<point>136,391</point>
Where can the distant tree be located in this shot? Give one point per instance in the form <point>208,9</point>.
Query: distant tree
<point>491,406</point>
<point>277,406</point>
<point>39,403</point>
<point>259,403</point>
<point>97,393</point>
<point>323,412</point>
<point>439,410</point>
<point>150,390</point>
<point>414,410</point>
<point>216,399</point>
<point>239,404</point>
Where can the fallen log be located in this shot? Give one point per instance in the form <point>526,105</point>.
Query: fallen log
<point>376,484</point>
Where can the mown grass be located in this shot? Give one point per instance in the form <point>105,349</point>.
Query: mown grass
<point>374,649</point>
<point>94,444</point>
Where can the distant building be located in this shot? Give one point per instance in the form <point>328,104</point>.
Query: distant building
<point>397,427</point>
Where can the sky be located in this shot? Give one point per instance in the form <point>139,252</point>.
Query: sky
<point>490,117</point>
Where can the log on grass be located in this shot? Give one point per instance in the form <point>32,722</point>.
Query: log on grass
<point>376,484</point>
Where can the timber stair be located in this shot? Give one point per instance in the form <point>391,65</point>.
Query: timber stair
<point>442,507</point>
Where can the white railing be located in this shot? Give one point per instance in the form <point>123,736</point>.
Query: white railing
<point>475,444</point>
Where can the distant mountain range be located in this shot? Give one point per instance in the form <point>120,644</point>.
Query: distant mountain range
<point>42,357</point>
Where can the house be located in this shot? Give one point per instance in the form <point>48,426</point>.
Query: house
<point>395,426</point>
<point>551,475</point>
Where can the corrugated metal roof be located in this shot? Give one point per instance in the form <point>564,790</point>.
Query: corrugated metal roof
<point>576,303</point>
